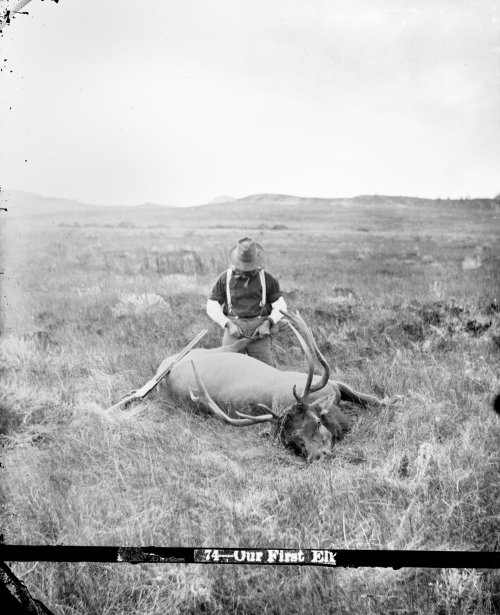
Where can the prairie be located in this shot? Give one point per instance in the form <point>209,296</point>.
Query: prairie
<point>403,298</point>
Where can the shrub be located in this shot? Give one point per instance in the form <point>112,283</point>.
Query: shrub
<point>146,304</point>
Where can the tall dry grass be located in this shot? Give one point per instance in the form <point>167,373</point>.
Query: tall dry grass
<point>80,331</point>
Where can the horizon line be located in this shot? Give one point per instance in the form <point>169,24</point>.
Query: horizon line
<point>228,199</point>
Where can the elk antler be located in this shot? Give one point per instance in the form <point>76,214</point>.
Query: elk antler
<point>302,399</point>
<point>299,322</point>
<point>203,396</point>
<point>312,342</point>
<point>275,416</point>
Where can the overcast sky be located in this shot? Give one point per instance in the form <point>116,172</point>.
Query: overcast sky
<point>180,101</point>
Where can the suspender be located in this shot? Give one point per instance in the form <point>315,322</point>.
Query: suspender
<point>263,300</point>
<point>262,276</point>
<point>228,293</point>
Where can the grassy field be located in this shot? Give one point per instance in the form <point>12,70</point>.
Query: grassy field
<point>403,298</point>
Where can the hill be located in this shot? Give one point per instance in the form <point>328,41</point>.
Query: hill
<point>261,212</point>
<point>28,203</point>
<point>222,199</point>
<point>21,203</point>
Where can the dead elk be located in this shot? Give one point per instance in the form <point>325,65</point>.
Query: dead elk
<point>311,421</point>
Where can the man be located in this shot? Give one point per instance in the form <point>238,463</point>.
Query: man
<point>246,300</point>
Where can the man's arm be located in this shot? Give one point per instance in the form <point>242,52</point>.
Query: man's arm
<point>216,301</point>
<point>275,298</point>
<point>276,315</point>
<point>215,312</point>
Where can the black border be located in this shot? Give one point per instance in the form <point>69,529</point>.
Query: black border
<point>344,558</point>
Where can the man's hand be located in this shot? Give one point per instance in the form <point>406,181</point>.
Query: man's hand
<point>233,329</point>
<point>263,330</point>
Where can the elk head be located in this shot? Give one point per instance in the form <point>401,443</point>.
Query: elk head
<point>312,430</point>
<point>309,429</point>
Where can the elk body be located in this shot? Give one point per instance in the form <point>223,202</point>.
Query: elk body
<point>309,422</point>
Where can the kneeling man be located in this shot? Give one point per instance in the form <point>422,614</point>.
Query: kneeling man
<point>246,300</point>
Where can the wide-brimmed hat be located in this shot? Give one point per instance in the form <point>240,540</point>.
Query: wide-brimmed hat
<point>247,254</point>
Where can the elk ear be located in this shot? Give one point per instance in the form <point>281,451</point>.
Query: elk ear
<point>324,404</point>
<point>336,422</point>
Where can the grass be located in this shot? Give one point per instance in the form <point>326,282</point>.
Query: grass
<point>89,314</point>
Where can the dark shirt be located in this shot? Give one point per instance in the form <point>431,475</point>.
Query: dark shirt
<point>246,294</point>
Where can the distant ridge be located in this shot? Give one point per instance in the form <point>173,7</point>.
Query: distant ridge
<point>378,200</point>
<point>27,204</point>
<point>221,199</point>
<point>22,203</point>
<point>149,205</point>
<point>288,198</point>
